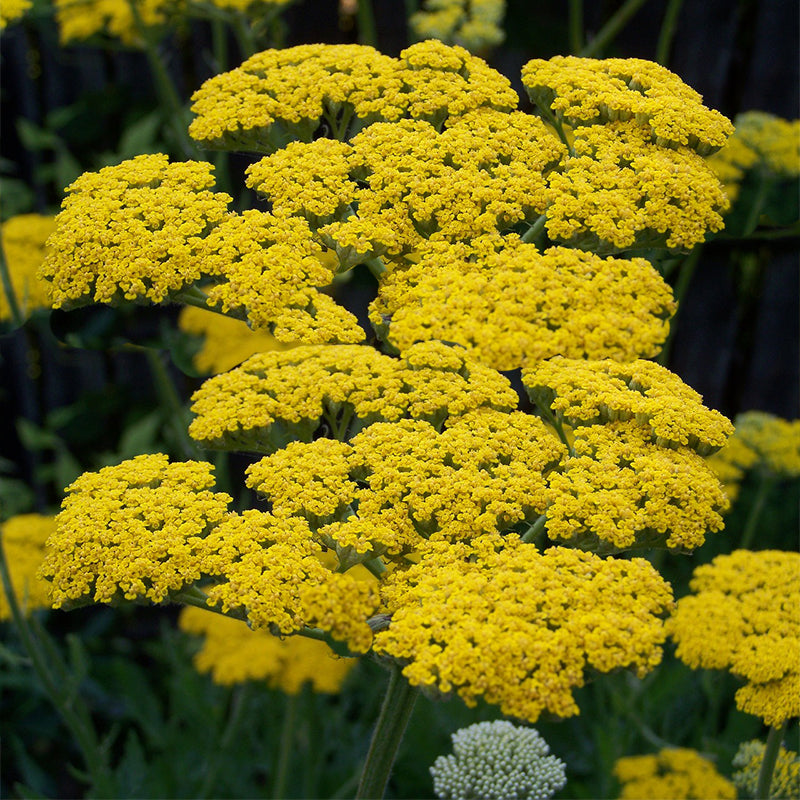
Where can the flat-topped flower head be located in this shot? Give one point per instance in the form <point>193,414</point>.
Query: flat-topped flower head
<point>131,231</point>
<point>274,398</point>
<point>513,306</point>
<point>12,11</point>
<point>270,271</point>
<point>775,140</point>
<point>24,537</point>
<point>24,239</point>
<point>498,761</point>
<point>619,190</point>
<point>587,392</point>
<point>278,96</point>
<point>132,531</point>
<point>785,783</point>
<point>744,616</point>
<point>268,570</point>
<point>675,772</point>
<point>775,440</point>
<point>731,464</point>
<point>585,91</point>
<point>476,25</point>
<point>226,341</point>
<point>498,620</point>
<point>619,490</point>
<point>79,20</point>
<point>234,653</point>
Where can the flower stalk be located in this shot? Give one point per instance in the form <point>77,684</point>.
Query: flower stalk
<point>396,710</point>
<point>771,752</point>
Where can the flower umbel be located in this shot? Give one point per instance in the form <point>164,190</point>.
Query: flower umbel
<point>498,761</point>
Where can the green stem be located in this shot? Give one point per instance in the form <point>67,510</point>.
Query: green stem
<point>367,32</point>
<point>17,316</point>
<point>532,234</point>
<point>244,35</point>
<point>193,296</point>
<point>685,274</point>
<point>751,525</point>
<point>575,26</point>
<point>771,753</point>
<point>58,688</point>
<point>286,746</point>
<point>238,703</point>
<point>376,266</point>
<point>172,404</point>
<point>764,185</point>
<point>550,117</point>
<point>550,417</point>
<point>389,729</point>
<point>667,34</point>
<point>375,566</point>
<point>168,96</point>
<point>612,27</point>
<point>534,530</point>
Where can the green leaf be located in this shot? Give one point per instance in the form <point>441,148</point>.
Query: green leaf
<point>35,138</point>
<point>140,136</point>
<point>34,437</point>
<point>140,436</point>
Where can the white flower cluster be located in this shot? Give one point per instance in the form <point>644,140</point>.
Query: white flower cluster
<point>498,761</point>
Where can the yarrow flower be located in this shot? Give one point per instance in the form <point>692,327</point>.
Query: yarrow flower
<point>269,571</point>
<point>620,490</point>
<point>12,11</point>
<point>132,531</point>
<point>226,341</point>
<point>24,537</point>
<point>744,616</point>
<point>618,190</point>
<point>274,398</point>
<point>587,392</point>
<point>775,140</point>
<point>678,773</point>
<point>586,91</point>
<point>398,484</point>
<point>233,653</point>
<point>776,442</point>
<point>130,231</point>
<point>785,783</point>
<point>498,761</point>
<point>513,306</point>
<point>497,619</point>
<point>281,95</point>
<point>24,240</point>
<point>475,25</point>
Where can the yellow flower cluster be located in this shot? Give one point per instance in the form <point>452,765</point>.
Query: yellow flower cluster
<point>678,773</point>
<point>620,490</point>
<point>274,398</point>
<point>731,463</point>
<point>226,341</point>
<point>133,531</point>
<point>268,570</point>
<point>485,472</point>
<point>775,140</point>
<point>731,164</point>
<point>586,392</point>
<point>233,653</point>
<point>776,442</point>
<point>619,190</point>
<point>476,25</point>
<point>132,231</point>
<point>484,172</point>
<point>271,271</point>
<point>497,619</point>
<point>23,241</point>
<point>12,10</point>
<point>281,95</point>
<point>24,538</point>
<point>785,782</point>
<point>81,19</point>
<point>744,616</point>
<point>585,91</point>
<point>516,306</point>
